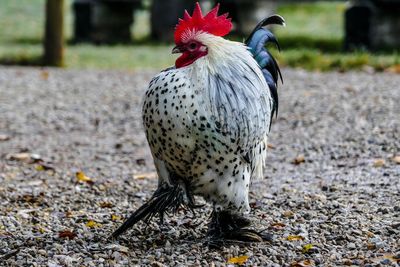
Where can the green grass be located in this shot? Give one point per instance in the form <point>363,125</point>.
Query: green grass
<point>120,57</point>
<point>320,20</point>
<point>312,40</point>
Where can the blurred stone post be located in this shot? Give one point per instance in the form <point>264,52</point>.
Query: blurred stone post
<point>372,24</point>
<point>104,21</point>
<point>165,15</point>
<point>385,25</point>
<point>82,10</point>
<point>112,20</point>
<point>54,33</point>
<point>246,14</point>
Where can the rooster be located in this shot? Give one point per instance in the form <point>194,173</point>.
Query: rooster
<point>207,120</point>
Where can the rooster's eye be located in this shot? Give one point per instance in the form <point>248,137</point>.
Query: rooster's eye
<point>192,46</point>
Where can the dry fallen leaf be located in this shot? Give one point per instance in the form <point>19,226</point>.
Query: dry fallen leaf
<point>81,177</point>
<point>67,234</point>
<point>115,217</point>
<point>93,224</point>
<point>4,137</point>
<point>270,146</point>
<point>4,234</point>
<point>26,157</point>
<point>238,260</point>
<point>394,69</point>
<point>32,199</point>
<point>295,238</point>
<point>44,167</point>
<point>396,159</point>
<point>146,175</point>
<point>306,248</point>
<point>304,263</point>
<point>278,226</point>
<point>39,168</point>
<point>299,160</point>
<point>106,205</point>
<point>379,163</point>
<point>288,214</point>
<point>392,258</point>
<point>371,246</point>
<point>44,74</point>
<point>370,234</point>
<point>347,262</point>
<point>350,89</point>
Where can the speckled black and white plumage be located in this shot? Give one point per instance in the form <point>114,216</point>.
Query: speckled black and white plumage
<point>207,124</point>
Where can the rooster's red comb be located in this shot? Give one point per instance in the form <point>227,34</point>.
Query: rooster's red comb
<point>210,23</point>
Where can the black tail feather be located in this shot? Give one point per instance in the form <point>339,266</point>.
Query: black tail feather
<point>270,68</point>
<point>164,199</point>
<point>273,19</point>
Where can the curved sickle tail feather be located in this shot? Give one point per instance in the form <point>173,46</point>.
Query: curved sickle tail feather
<point>164,199</point>
<point>270,69</point>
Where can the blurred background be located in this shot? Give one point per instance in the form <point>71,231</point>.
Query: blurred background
<point>137,34</point>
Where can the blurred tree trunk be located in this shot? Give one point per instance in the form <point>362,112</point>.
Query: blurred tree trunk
<point>54,33</point>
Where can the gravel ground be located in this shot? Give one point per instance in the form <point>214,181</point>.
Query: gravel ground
<point>331,196</point>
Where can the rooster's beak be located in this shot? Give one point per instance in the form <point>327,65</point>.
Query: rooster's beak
<point>177,49</point>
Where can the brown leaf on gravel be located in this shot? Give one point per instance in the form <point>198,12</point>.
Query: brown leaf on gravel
<point>394,69</point>
<point>392,258</point>
<point>238,260</point>
<point>277,226</point>
<point>379,163</point>
<point>67,234</point>
<point>299,160</point>
<point>106,205</point>
<point>294,238</point>
<point>4,137</point>
<point>288,214</point>
<point>347,262</point>
<point>303,263</point>
<point>146,175</point>
<point>350,89</point>
<point>396,159</point>
<point>44,74</point>
<point>32,199</point>
<point>370,234</point>
<point>270,146</point>
<point>81,177</point>
<point>5,234</point>
<point>25,157</point>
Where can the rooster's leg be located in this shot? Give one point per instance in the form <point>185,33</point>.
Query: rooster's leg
<point>226,227</point>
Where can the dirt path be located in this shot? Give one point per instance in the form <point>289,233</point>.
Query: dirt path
<point>331,194</point>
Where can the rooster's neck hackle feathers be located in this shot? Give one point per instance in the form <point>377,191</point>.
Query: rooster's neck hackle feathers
<point>222,55</point>
<point>210,23</point>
